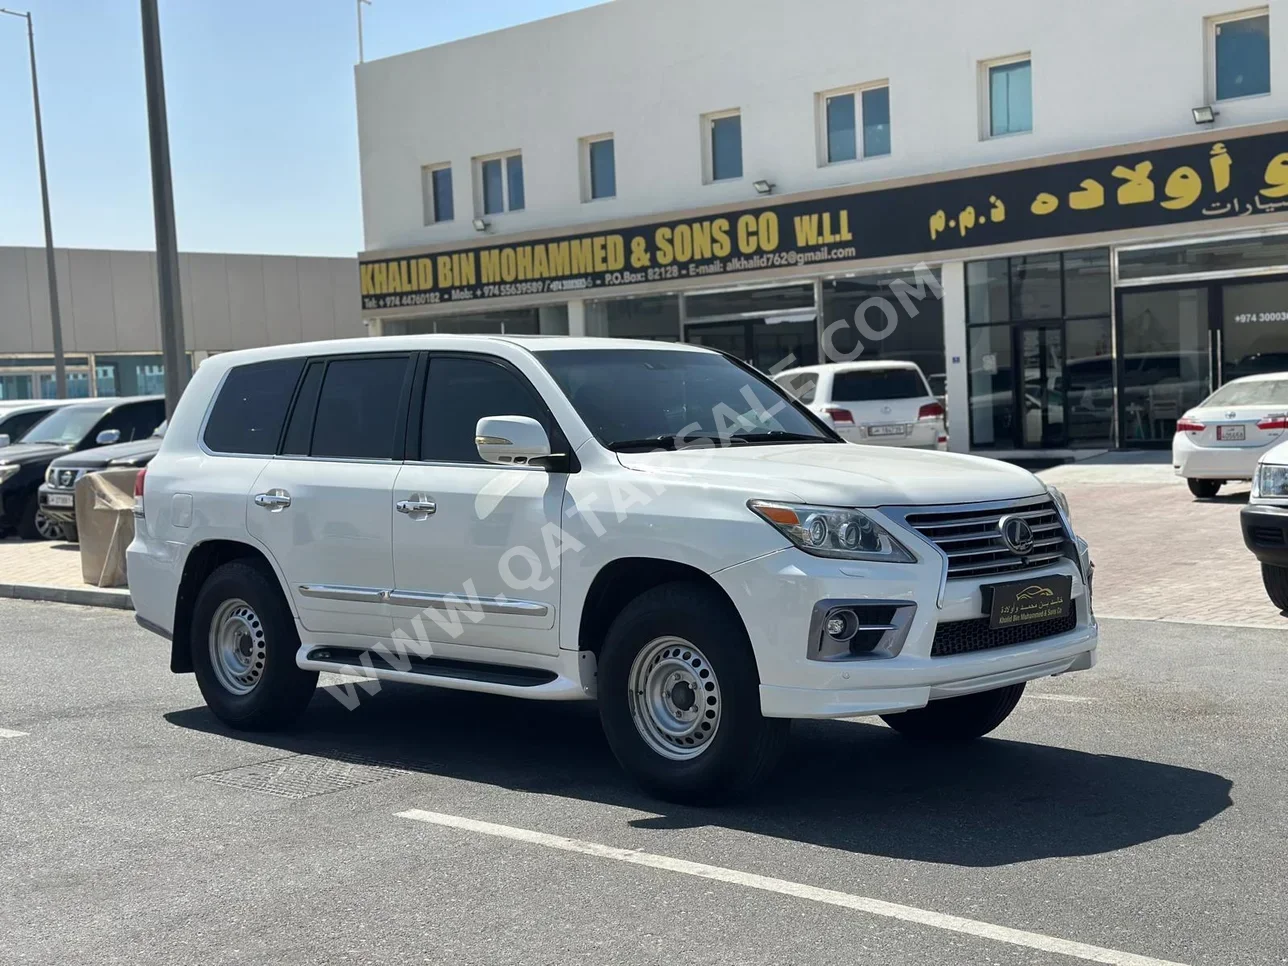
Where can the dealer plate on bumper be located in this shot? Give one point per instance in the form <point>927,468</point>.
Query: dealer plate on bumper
<point>61,499</point>
<point>1028,601</point>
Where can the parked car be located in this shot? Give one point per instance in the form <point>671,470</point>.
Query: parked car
<point>658,527</point>
<point>89,423</point>
<point>1223,437</point>
<point>57,495</point>
<point>883,403</point>
<point>1265,522</point>
<point>18,416</point>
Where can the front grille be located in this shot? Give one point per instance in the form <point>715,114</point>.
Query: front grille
<point>65,479</point>
<point>1267,536</point>
<point>973,542</point>
<point>962,637</point>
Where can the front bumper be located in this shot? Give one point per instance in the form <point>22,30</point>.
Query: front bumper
<point>59,514</point>
<point>776,594</point>
<point>1265,532</point>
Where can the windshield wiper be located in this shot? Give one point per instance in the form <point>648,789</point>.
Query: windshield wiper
<point>668,441</point>
<point>779,436</point>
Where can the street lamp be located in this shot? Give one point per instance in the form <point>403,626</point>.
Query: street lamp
<point>55,316</point>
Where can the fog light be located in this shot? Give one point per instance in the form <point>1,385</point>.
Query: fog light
<point>842,625</point>
<point>836,626</point>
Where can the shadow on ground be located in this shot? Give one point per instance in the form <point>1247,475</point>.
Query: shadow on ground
<point>845,785</point>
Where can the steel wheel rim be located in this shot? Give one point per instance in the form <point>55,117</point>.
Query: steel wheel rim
<point>674,698</point>
<point>237,651</point>
<point>47,528</point>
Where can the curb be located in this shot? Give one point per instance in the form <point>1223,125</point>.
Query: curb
<point>85,596</point>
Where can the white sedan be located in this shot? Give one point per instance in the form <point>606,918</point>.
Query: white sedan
<point>886,403</point>
<point>1222,438</point>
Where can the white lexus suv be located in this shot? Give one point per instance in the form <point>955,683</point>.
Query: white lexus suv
<point>656,527</point>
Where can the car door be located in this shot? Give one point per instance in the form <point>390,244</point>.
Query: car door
<point>476,545</point>
<point>321,506</point>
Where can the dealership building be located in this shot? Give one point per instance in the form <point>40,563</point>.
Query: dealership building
<point>1073,216</point>
<point>111,323</point>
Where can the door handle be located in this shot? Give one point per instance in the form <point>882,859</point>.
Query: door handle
<point>274,501</point>
<point>417,506</point>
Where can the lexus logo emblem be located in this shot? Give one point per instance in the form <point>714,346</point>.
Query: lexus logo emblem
<point>1016,534</point>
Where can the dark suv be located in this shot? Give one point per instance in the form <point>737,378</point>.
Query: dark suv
<point>95,422</point>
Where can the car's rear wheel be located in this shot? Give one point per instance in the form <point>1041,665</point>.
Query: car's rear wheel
<point>243,650</point>
<point>679,697</point>
<point>1275,580</point>
<point>958,719</point>
<point>1203,489</point>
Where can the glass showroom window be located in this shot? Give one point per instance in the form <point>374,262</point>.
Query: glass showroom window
<point>500,183</point>
<point>1009,96</point>
<point>1239,52</point>
<point>436,193</point>
<point>599,168</point>
<point>724,146</point>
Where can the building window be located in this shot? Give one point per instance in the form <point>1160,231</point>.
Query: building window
<point>1007,87</point>
<point>436,193</point>
<point>598,168</point>
<point>499,183</point>
<point>722,146</point>
<point>844,113</point>
<point>1239,55</point>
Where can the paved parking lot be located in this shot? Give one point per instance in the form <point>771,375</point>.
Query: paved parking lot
<point>1130,815</point>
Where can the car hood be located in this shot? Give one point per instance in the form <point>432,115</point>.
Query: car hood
<point>102,455</point>
<point>30,452</point>
<point>845,474</point>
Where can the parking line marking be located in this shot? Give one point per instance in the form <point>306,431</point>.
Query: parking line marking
<point>1071,698</point>
<point>6,733</point>
<point>876,907</point>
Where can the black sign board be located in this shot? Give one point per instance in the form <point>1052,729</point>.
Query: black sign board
<point>1225,179</point>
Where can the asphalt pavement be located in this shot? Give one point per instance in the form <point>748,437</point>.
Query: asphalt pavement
<point>1134,814</point>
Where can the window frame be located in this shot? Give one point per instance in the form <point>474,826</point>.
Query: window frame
<point>986,95</point>
<point>821,100</point>
<point>480,196</point>
<point>429,207</point>
<point>708,129</point>
<point>1210,26</point>
<point>587,180</point>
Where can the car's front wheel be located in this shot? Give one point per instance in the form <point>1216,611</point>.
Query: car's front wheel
<point>958,719</point>
<point>1203,489</point>
<point>1275,580</point>
<point>243,650</point>
<point>679,697</point>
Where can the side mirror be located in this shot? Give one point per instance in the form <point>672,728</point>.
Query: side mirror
<point>107,437</point>
<point>511,440</point>
<point>4,439</point>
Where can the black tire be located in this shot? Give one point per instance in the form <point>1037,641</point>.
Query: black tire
<point>744,747</point>
<point>70,533</point>
<point>958,719</point>
<point>28,528</point>
<point>1275,580</point>
<point>1203,489</point>
<point>282,690</point>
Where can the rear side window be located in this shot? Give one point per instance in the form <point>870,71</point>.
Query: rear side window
<point>358,408</point>
<point>134,420</point>
<point>458,393</point>
<point>870,385</point>
<point>248,415</point>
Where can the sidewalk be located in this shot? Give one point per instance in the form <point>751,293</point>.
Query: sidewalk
<point>51,570</point>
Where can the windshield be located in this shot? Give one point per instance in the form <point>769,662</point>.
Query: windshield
<point>642,397</point>
<point>1259,392</point>
<point>66,426</point>
<point>871,385</point>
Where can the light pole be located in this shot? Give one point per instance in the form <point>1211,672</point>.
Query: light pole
<point>55,316</point>
<point>360,3</point>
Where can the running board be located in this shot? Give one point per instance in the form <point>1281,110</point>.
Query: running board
<point>441,672</point>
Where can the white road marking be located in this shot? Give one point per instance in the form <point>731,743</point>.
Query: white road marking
<point>876,907</point>
<point>1071,698</point>
<point>6,733</point>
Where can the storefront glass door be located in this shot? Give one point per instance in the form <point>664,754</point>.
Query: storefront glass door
<point>1041,355</point>
<point>1165,360</point>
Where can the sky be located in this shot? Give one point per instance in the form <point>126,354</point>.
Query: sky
<point>260,105</point>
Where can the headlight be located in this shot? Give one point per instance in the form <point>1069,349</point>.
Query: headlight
<point>827,531</point>
<point>1061,501</point>
<point>49,475</point>
<point>7,470</point>
<point>1270,480</point>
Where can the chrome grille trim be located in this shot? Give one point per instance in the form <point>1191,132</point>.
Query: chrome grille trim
<point>969,538</point>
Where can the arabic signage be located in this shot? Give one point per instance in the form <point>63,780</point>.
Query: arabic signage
<point>1197,182</point>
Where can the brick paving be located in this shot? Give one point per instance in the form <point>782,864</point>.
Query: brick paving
<point>43,562</point>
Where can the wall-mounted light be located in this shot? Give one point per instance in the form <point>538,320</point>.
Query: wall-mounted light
<point>763,187</point>
<point>1205,114</point>
<point>480,224</point>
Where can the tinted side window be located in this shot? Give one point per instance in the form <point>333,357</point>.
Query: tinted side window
<point>15,426</point>
<point>299,433</point>
<point>132,420</point>
<point>248,415</point>
<point>358,408</point>
<point>460,392</point>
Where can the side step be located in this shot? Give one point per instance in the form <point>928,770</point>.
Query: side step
<point>501,675</point>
